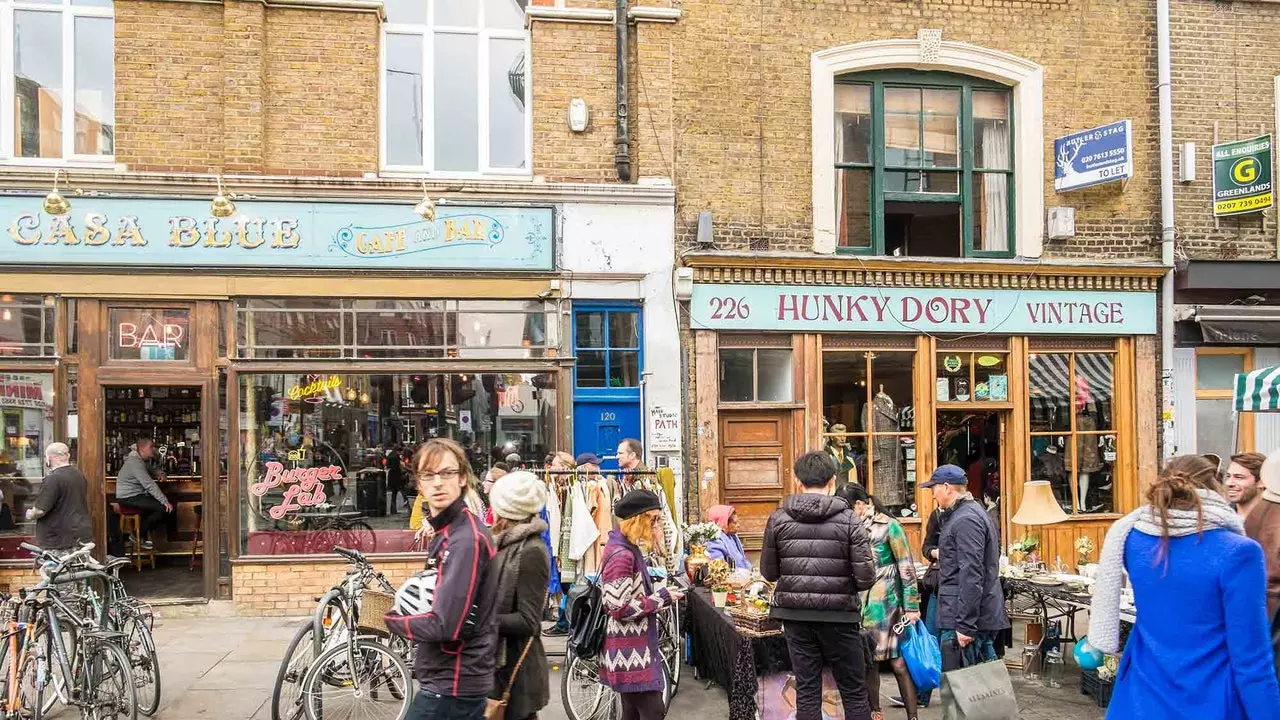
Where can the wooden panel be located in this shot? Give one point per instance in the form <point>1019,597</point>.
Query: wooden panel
<point>707,384</point>
<point>1058,541</point>
<point>1147,414</point>
<point>915,536</point>
<point>755,474</point>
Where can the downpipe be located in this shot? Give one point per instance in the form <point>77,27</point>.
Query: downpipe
<point>622,141</point>
<point>1165,93</point>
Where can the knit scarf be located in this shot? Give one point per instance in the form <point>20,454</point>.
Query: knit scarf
<point>1104,615</point>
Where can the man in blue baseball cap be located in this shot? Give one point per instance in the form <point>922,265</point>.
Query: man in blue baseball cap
<point>970,602</point>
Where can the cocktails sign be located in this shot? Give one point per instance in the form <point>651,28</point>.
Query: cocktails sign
<point>316,235</point>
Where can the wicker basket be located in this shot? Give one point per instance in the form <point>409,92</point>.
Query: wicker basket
<point>753,621</point>
<point>373,606</point>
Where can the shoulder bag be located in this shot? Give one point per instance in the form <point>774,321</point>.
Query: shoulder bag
<point>497,709</point>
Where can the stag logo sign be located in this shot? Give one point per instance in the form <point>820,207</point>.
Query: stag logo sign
<point>1092,157</point>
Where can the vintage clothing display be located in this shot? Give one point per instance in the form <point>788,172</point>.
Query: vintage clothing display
<point>889,480</point>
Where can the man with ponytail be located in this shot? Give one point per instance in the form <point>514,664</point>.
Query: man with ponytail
<point>1201,645</point>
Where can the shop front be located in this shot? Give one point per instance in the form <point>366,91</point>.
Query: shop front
<point>1012,371</point>
<point>283,361</point>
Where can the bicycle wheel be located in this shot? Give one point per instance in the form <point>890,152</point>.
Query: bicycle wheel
<point>582,694</point>
<point>33,681</point>
<point>286,697</point>
<point>145,663</point>
<point>671,645</point>
<point>109,693</point>
<point>360,535</point>
<point>378,686</point>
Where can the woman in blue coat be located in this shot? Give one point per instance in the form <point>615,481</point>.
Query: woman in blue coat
<point>1201,645</point>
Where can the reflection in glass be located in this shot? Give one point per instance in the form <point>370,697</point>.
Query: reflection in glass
<point>404,116</point>
<point>991,129</point>
<point>624,368</point>
<point>37,83</point>
<point>507,95</point>
<point>1096,473</point>
<point>844,390</point>
<point>853,198</point>
<point>590,329</point>
<point>773,369</point>
<point>1213,427</point>
<point>26,428</point>
<point>456,12</point>
<point>26,325</point>
<point>306,456</point>
<point>1217,372</point>
<point>1051,462</point>
<point>405,11</point>
<point>853,123</point>
<point>624,330</point>
<point>1051,403</point>
<point>591,368</point>
<point>941,128</point>
<point>737,375</point>
<point>456,73</point>
<point>504,14</point>
<point>1095,383</point>
<point>95,86</point>
<point>902,126</point>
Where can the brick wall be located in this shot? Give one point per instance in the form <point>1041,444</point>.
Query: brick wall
<point>291,590</point>
<point>237,87</point>
<point>1223,74</point>
<point>573,60</point>
<point>13,578</point>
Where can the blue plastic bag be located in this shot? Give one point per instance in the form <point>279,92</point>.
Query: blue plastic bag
<point>923,656</point>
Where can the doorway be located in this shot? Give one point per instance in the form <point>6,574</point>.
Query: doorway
<point>161,425</point>
<point>755,473</point>
<point>974,441</point>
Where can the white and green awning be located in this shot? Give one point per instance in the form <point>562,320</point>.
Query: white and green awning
<point>1258,391</point>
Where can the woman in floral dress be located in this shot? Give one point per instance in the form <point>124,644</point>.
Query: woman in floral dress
<point>894,597</point>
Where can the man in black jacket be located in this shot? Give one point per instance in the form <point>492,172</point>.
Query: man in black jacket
<point>819,555</point>
<point>458,637</point>
<point>970,601</point>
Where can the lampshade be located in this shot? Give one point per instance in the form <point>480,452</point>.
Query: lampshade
<point>1039,506</point>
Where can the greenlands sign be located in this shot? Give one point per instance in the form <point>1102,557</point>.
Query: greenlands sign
<point>1242,178</point>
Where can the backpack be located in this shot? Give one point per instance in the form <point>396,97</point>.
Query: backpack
<point>584,610</point>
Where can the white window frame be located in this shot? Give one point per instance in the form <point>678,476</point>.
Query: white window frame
<point>427,32</point>
<point>8,123</point>
<point>1026,81</point>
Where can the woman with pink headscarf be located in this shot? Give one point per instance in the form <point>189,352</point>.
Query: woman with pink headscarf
<point>728,546</point>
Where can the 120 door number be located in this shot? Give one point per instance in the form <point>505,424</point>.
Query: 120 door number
<point>730,308</point>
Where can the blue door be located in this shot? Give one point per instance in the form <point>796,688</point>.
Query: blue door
<point>608,343</point>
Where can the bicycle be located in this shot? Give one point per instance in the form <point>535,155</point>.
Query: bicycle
<point>337,615</point>
<point>97,672</point>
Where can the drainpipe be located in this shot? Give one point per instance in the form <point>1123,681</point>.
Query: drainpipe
<point>1164,88</point>
<point>622,153</point>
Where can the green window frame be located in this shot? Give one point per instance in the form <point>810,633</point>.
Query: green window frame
<point>967,170</point>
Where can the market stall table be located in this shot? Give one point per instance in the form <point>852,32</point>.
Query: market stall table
<point>733,658</point>
<point>1054,602</point>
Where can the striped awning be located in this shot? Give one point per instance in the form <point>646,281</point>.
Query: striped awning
<point>1258,391</point>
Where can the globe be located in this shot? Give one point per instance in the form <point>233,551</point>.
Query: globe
<point>1087,656</point>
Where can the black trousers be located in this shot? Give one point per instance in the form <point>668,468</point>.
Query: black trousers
<point>643,706</point>
<point>153,514</point>
<point>838,646</point>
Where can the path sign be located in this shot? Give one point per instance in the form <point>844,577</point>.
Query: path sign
<point>1242,176</point>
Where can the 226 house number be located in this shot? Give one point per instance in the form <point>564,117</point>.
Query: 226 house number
<point>730,308</point>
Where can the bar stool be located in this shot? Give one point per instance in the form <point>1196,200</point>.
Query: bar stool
<point>197,547</point>
<point>131,522</point>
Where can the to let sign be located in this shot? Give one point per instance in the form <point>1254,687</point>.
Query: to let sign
<point>922,310</point>
<point>1242,176</point>
<point>1091,157</point>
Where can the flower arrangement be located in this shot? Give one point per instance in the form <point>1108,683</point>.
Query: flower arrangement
<point>1110,666</point>
<point>1023,550</point>
<point>701,533</point>
<point>718,573</point>
<point>1084,548</point>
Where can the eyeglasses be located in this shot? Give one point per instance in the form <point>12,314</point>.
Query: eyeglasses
<point>446,474</point>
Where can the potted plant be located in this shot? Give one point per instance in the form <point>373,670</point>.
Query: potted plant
<point>698,535</point>
<point>1084,550</point>
<point>720,594</point>
<point>717,574</point>
<point>1023,550</point>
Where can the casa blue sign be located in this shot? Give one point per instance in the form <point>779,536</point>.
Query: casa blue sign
<point>1099,155</point>
<point>318,235</point>
<point>921,310</point>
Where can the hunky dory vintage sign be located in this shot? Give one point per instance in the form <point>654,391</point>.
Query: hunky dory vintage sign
<point>914,310</point>
<point>182,233</point>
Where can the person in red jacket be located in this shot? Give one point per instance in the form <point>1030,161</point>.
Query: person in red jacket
<point>457,637</point>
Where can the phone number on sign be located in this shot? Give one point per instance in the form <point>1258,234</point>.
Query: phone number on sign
<point>1240,204</point>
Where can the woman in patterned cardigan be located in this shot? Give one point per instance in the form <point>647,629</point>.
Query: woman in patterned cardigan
<point>631,662</point>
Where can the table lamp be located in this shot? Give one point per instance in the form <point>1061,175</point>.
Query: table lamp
<point>1039,506</point>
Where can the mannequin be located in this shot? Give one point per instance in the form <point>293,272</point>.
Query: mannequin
<point>842,452</point>
<point>1087,454</point>
<point>881,416</point>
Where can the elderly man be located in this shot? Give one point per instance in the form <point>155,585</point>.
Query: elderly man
<point>61,511</point>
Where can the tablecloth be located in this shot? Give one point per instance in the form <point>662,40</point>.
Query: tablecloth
<point>732,660</point>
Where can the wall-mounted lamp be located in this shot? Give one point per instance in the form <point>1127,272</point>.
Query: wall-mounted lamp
<point>426,208</point>
<point>54,203</point>
<point>221,207</point>
<point>579,115</point>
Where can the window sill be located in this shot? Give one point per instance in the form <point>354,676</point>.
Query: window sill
<point>515,177</point>
<point>106,163</point>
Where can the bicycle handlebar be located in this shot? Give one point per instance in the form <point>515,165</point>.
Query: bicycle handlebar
<point>353,555</point>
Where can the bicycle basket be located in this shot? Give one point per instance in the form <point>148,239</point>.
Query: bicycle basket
<point>373,606</point>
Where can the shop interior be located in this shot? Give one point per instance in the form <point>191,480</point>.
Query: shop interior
<point>170,416</point>
<point>971,441</point>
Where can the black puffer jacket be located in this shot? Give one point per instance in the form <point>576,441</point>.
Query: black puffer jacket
<point>820,557</point>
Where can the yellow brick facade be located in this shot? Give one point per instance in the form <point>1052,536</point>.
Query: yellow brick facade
<point>292,589</point>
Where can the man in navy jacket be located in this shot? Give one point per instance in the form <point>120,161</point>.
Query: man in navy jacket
<point>458,637</point>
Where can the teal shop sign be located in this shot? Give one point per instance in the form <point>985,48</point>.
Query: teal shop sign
<point>922,310</point>
<point>182,233</point>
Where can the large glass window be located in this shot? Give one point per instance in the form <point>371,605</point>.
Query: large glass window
<point>27,325</point>
<point>868,421</point>
<point>62,56</point>
<point>1074,444</point>
<point>321,453</point>
<point>607,344</point>
<point>26,428</point>
<point>751,375</point>
<point>336,328</point>
<point>1216,370</point>
<point>455,86</point>
<point>924,165</point>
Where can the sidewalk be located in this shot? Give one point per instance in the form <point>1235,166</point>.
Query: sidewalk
<point>225,667</point>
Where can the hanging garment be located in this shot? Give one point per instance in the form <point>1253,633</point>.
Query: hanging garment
<point>553,584</point>
<point>1088,456</point>
<point>601,514</point>
<point>553,520</point>
<point>583,532</point>
<point>888,481</point>
<point>568,564</point>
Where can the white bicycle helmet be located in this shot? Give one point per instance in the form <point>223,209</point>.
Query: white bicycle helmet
<point>416,594</point>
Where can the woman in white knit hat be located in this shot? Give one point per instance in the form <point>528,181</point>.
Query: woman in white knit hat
<point>523,569</point>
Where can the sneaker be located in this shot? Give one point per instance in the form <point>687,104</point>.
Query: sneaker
<point>128,539</point>
<point>554,632</point>
<point>148,545</point>
<point>896,701</point>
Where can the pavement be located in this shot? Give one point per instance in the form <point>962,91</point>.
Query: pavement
<point>213,667</point>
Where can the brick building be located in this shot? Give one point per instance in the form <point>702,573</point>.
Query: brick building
<point>873,268</point>
<point>411,239</point>
<point>1228,280</point>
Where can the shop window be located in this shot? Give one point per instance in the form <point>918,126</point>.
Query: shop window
<point>1074,444</point>
<point>62,90</point>
<point>924,165</point>
<point>972,377</point>
<point>27,326</point>
<point>1216,370</point>
<point>455,87</point>
<point>607,344</point>
<point>755,375</point>
<point>309,329</point>
<point>321,453</point>
<point>868,421</point>
<point>26,429</point>
<point>149,334</point>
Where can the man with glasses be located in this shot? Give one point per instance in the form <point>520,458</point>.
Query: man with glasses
<point>457,637</point>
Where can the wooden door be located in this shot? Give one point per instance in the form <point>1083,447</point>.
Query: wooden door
<point>755,467</point>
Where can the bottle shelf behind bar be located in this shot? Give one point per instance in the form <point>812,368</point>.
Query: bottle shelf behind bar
<point>168,415</point>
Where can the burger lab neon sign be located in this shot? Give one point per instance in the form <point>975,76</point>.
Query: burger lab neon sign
<point>305,488</point>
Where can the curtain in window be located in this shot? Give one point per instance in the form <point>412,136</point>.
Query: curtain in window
<point>995,195</point>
